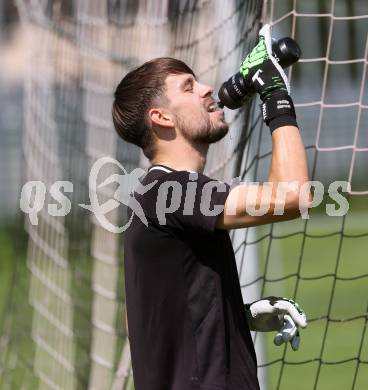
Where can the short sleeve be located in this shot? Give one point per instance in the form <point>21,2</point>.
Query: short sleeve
<point>190,201</point>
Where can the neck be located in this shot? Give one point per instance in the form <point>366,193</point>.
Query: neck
<point>181,157</point>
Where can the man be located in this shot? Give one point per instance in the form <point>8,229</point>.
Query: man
<point>188,327</point>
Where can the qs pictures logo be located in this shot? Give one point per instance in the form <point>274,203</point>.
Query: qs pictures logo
<point>33,196</point>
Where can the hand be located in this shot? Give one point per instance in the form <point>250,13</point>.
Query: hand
<point>260,69</point>
<point>281,314</point>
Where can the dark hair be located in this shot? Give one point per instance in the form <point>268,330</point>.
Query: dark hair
<point>134,97</point>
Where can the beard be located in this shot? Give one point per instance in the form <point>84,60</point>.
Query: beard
<point>202,130</point>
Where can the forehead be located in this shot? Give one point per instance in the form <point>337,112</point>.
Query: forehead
<point>176,81</point>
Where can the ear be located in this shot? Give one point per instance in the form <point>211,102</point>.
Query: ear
<point>160,117</point>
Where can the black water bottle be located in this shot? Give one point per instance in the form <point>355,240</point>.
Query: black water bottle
<point>234,91</point>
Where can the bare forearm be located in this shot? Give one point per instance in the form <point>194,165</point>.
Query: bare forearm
<point>288,166</point>
<point>289,171</point>
<point>289,160</point>
<point>278,199</point>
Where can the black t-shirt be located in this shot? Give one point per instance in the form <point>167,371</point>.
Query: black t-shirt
<point>187,324</point>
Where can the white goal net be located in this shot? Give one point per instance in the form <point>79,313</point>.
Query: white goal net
<point>64,327</point>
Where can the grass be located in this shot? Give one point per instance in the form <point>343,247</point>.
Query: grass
<point>6,256</point>
<point>16,347</point>
<point>312,263</point>
<point>309,262</point>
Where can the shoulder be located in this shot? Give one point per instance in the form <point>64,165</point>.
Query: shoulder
<point>176,179</point>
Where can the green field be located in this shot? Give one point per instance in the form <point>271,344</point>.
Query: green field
<point>6,256</point>
<point>310,255</point>
<point>315,259</point>
<point>16,346</point>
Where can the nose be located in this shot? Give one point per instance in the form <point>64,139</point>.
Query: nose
<point>206,91</point>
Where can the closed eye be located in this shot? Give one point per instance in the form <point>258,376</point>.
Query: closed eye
<point>188,85</point>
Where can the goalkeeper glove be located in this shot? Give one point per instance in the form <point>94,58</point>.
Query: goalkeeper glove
<point>281,314</point>
<point>264,75</point>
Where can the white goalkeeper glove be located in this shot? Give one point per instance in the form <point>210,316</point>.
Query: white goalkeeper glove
<point>264,74</point>
<point>261,70</point>
<point>281,314</point>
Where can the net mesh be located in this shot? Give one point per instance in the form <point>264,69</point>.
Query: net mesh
<point>64,326</point>
<point>320,261</point>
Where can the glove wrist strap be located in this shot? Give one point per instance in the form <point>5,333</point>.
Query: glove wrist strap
<point>278,110</point>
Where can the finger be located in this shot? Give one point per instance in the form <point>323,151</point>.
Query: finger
<point>295,342</point>
<point>289,308</point>
<point>289,329</point>
<point>293,309</point>
<point>265,32</point>
<point>278,340</point>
